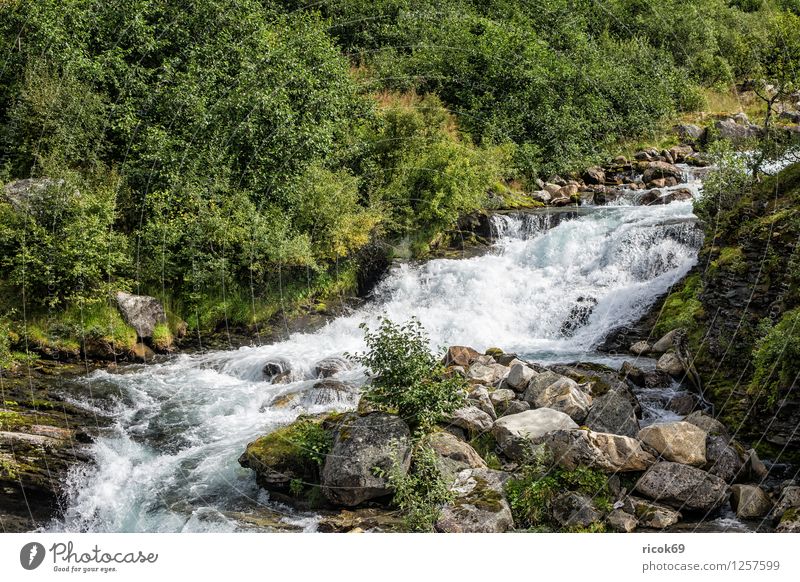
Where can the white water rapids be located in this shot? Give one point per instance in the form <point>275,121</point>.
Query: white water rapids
<point>169,463</point>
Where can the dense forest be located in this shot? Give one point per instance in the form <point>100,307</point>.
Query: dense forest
<point>235,158</point>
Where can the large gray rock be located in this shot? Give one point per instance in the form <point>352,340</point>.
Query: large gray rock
<point>730,130</point>
<point>665,343</point>
<point>614,412</point>
<point>641,348</point>
<point>683,487</point>
<point>453,455</point>
<point>517,434</point>
<point>750,501</point>
<point>708,423</point>
<point>681,442</point>
<point>489,374</point>
<point>330,392</point>
<point>514,407</point>
<point>328,367</point>
<point>572,509</point>
<point>20,193</point>
<point>789,522</point>
<point>518,377</point>
<point>361,445</point>
<point>142,312</point>
<point>562,394</point>
<point>622,521</point>
<point>657,170</point>
<point>479,506</point>
<point>671,364</point>
<point>789,499</point>
<point>501,399</point>
<point>651,515</point>
<point>479,397</point>
<point>472,419</point>
<point>689,132</point>
<point>460,356</point>
<point>722,459</point>
<point>606,452</point>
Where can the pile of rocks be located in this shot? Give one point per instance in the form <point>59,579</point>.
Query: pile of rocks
<point>581,416</point>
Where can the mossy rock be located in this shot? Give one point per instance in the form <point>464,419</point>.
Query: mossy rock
<point>288,456</point>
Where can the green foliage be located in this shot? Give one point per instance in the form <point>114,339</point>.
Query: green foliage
<point>681,308</point>
<point>422,492</point>
<point>406,377</point>
<point>57,243</point>
<point>531,492</point>
<point>724,186</point>
<point>776,357</point>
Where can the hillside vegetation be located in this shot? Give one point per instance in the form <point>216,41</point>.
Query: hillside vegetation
<point>235,158</point>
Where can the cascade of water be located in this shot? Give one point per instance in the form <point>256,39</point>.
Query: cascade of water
<point>169,464</point>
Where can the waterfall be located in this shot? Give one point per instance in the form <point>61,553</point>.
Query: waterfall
<point>551,288</point>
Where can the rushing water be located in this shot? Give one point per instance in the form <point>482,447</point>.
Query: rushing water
<point>170,461</point>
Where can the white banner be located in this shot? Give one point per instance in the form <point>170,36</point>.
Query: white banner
<point>410,557</point>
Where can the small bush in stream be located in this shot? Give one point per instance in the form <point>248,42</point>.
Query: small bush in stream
<point>421,493</point>
<point>406,377</point>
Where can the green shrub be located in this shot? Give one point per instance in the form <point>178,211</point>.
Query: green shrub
<point>422,492</point>
<point>531,491</point>
<point>776,358</point>
<point>59,246</point>
<point>406,377</point>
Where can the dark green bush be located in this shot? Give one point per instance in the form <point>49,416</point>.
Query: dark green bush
<point>776,358</point>
<point>405,377</point>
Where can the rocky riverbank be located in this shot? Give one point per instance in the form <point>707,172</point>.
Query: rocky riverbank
<point>42,435</point>
<point>562,420</point>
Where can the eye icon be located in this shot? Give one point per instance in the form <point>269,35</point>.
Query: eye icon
<point>31,555</point>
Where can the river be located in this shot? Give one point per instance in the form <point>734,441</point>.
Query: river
<point>169,461</point>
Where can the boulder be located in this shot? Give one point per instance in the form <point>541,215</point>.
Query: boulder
<point>689,132</point>
<point>671,364</point>
<point>277,458</point>
<point>679,152</point>
<point>683,487</point>
<point>708,423</point>
<point>563,395</point>
<point>519,376</point>
<point>651,515</point>
<point>681,442</point>
<point>328,367</point>
<point>730,130</point>
<point>471,419</point>
<point>479,398</point>
<point>516,434</point>
<point>661,170</point>
<point>20,192</point>
<point>789,499</point>
<point>479,506</point>
<point>489,374</point>
<point>514,407</point>
<point>665,343</point>
<point>754,467</point>
<point>501,398</point>
<point>632,373</point>
<point>572,509</point>
<point>750,501</point>
<point>142,312</point>
<point>789,522</point>
<point>606,452</point>
<point>641,348</point>
<point>594,175</point>
<point>542,196</point>
<point>614,412</point>
<point>330,392</point>
<point>460,356</point>
<point>722,459</point>
<point>278,371</point>
<point>453,455</point>
<point>698,159</point>
<point>621,521</point>
<point>365,449</point>
<point>552,188</point>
